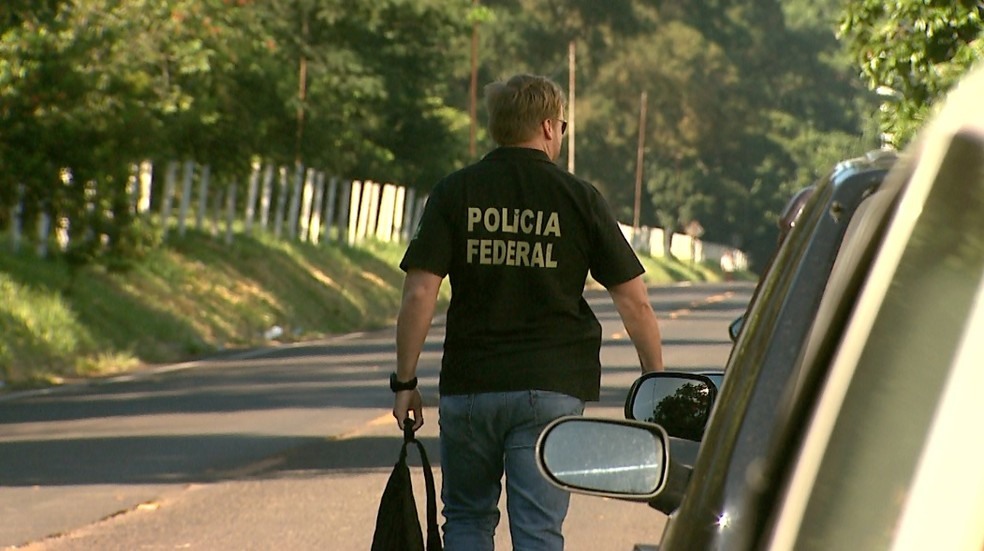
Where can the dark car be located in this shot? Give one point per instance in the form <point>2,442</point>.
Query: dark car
<point>870,438</point>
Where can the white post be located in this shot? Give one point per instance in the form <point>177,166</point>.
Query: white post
<point>355,200</point>
<point>230,212</point>
<point>133,188</point>
<point>62,224</point>
<point>408,214</point>
<point>169,183</point>
<point>89,192</point>
<point>216,217</point>
<point>344,210</point>
<point>307,199</point>
<point>146,179</point>
<point>656,240</point>
<point>362,229</point>
<point>384,221</point>
<point>265,196</point>
<point>105,214</point>
<point>16,220</point>
<point>418,211</point>
<point>254,184</point>
<point>330,208</point>
<point>319,195</point>
<point>278,220</point>
<point>372,222</point>
<point>398,210</point>
<point>44,230</point>
<point>203,197</point>
<point>189,174</point>
<point>295,202</point>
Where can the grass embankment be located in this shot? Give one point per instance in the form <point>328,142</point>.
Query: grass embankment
<point>197,296</point>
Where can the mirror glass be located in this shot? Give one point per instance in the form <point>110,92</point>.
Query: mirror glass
<point>735,328</point>
<point>681,405</point>
<point>604,456</point>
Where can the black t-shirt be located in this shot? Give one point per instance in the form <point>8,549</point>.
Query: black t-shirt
<point>517,235</point>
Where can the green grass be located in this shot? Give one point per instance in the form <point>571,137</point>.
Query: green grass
<point>197,296</point>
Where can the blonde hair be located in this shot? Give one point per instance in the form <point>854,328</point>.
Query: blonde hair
<point>518,106</point>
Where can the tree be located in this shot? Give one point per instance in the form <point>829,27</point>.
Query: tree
<point>912,52</point>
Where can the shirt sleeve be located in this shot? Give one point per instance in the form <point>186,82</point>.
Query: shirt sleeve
<point>430,247</point>
<point>614,261</point>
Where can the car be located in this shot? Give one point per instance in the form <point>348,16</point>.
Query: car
<point>869,439</point>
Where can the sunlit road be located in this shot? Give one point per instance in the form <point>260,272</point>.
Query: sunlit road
<point>282,448</point>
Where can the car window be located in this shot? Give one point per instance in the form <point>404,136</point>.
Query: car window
<point>877,437</point>
<point>863,232</point>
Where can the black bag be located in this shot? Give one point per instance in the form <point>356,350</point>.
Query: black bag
<point>397,525</point>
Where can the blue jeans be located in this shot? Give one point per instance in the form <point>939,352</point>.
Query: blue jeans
<point>488,434</point>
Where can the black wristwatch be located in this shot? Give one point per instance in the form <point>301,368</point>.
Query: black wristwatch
<point>396,385</point>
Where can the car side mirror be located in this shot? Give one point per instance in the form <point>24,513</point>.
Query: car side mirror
<point>734,329</point>
<point>679,402</point>
<point>606,457</point>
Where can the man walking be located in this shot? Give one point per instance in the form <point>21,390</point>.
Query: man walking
<point>518,236</point>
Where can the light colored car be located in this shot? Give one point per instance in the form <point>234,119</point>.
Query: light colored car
<point>877,444</point>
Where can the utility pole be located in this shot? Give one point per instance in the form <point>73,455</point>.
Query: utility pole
<point>571,126</point>
<point>639,157</point>
<point>473,88</point>
<point>301,87</point>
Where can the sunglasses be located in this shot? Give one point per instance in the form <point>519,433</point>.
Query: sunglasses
<point>563,127</point>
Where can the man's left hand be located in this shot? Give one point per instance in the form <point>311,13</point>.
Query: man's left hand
<point>407,401</point>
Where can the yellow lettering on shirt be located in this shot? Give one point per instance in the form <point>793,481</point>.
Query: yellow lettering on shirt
<point>509,252</point>
<point>515,237</point>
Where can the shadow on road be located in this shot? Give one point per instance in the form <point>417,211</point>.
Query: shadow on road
<point>301,377</point>
<point>133,460</point>
<point>353,454</point>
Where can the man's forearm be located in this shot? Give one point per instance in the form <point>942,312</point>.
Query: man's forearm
<point>632,302</point>
<point>413,323</point>
<point>411,332</point>
<point>649,346</point>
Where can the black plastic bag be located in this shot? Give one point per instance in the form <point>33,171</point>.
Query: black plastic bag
<point>397,525</point>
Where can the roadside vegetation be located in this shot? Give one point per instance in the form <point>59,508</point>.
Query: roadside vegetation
<point>197,297</point>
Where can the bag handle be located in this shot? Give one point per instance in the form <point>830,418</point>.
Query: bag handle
<point>433,534</point>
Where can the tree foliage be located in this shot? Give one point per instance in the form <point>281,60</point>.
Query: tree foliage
<point>911,52</point>
<point>94,86</point>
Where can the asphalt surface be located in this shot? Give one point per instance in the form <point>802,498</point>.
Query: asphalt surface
<point>285,448</point>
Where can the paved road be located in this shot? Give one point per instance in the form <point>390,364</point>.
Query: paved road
<point>285,448</point>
